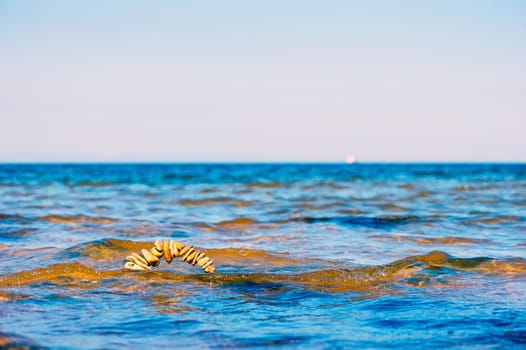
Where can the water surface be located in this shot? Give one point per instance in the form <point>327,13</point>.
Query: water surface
<point>306,255</point>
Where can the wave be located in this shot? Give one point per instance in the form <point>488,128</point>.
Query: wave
<point>377,222</point>
<point>13,218</point>
<point>495,220</point>
<point>241,266</point>
<point>274,184</point>
<point>237,223</point>
<point>73,273</point>
<point>14,341</point>
<point>448,240</point>
<point>95,183</point>
<point>62,219</point>
<point>16,233</point>
<point>214,201</point>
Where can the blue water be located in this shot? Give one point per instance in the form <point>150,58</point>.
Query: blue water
<point>306,255</point>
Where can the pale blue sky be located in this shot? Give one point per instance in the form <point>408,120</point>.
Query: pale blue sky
<point>262,80</point>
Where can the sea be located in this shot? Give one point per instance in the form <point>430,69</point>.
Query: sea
<point>306,256</point>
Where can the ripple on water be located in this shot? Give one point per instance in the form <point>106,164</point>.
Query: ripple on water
<point>264,184</point>
<point>214,201</point>
<point>448,240</point>
<point>377,222</point>
<point>21,232</point>
<point>237,223</point>
<point>63,219</point>
<point>495,220</point>
<point>15,342</point>
<point>13,218</point>
<point>94,183</point>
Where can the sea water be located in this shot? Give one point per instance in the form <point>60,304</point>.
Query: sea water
<point>306,255</point>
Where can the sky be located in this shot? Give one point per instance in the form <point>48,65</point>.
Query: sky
<point>262,81</point>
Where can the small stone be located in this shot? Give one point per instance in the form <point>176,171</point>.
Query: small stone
<point>197,257</point>
<point>158,245</point>
<point>139,262</point>
<point>152,259</point>
<point>209,263</point>
<point>209,269</point>
<point>203,261</point>
<point>133,267</point>
<point>173,249</point>
<point>129,265</point>
<point>155,252</point>
<point>140,258</point>
<point>184,250</point>
<point>190,251</point>
<point>166,251</point>
<point>190,256</point>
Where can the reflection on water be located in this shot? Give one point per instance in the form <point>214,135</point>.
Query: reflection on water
<point>318,256</point>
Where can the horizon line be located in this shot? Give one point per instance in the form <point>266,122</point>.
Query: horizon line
<point>268,162</point>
